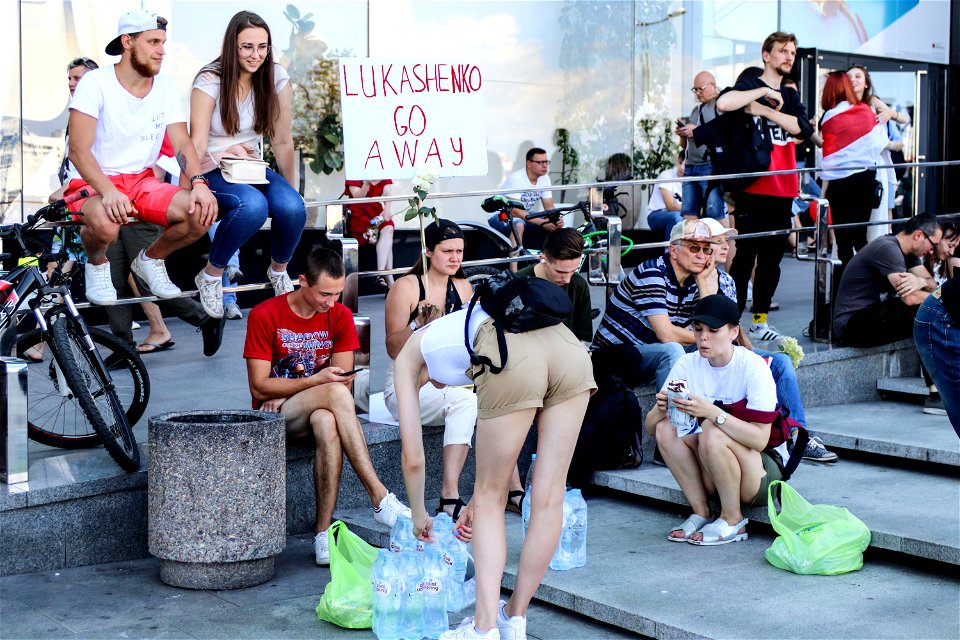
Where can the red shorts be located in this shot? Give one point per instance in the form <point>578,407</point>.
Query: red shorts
<point>150,197</point>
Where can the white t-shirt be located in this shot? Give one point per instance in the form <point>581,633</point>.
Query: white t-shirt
<point>745,376</point>
<point>531,199</point>
<point>129,129</point>
<point>664,181</point>
<point>219,140</point>
<point>443,348</point>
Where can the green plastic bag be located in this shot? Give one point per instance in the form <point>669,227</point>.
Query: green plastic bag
<point>814,538</point>
<point>347,600</point>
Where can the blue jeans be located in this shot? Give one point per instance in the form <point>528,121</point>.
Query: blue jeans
<point>658,360</point>
<point>938,342</point>
<point>663,220</point>
<point>245,207</point>
<point>785,377</point>
<point>228,296</point>
<point>704,194</point>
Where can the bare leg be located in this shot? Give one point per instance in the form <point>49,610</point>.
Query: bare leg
<point>680,455</point>
<point>327,465</point>
<point>159,333</point>
<point>385,252</point>
<point>182,228</point>
<point>557,431</point>
<point>454,457</point>
<point>98,231</point>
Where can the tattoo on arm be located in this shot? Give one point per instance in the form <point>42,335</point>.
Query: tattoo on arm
<point>181,160</point>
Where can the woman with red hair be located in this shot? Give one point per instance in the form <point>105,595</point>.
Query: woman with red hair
<point>851,142</point>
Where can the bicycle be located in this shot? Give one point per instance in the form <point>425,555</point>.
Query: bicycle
<point>503,207</point>
<point>76,371</point>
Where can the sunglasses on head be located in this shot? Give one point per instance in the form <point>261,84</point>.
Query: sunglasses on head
<point>82,62</point>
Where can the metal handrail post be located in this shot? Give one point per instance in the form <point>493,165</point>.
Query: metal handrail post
<point>336,230</point>
<point>14,462</point>
<point>823,276</point>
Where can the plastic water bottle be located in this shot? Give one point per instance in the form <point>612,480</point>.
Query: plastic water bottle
<point>411,571</point>
<point>525,506</point>
<point>431,585</point>
<point>460,591</point>
<point>401,535</point>
<point>387,596</point>
<point>572,550</point>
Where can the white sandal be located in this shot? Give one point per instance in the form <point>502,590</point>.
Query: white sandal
<point>719,532</point>
<point>689,527</point>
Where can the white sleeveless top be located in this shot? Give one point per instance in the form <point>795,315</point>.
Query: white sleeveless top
<point>443,347</point>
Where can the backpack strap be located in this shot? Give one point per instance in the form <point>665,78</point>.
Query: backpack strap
<point>475,359</point>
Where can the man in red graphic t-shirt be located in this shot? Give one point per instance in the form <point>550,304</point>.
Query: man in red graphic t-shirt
<point>299,350</point>
<point>765,204</point>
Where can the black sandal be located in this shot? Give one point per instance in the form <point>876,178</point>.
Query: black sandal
<point>457,503</point>
<point>516,493</point>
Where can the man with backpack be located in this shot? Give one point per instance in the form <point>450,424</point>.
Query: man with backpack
<point>765,203</point>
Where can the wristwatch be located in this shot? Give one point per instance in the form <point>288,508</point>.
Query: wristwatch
<point>413,325</point>
<point>721,418</point>
<point>199,178</point>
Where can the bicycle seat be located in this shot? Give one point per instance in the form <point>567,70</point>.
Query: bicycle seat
<point>500,203</point>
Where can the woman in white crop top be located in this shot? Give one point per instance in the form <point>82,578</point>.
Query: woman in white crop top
<point>236,100</point>
<point>547,373</point>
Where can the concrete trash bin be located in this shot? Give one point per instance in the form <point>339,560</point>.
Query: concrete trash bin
<point>216,497</point>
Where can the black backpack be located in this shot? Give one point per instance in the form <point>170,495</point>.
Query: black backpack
<point>738,143</point>
<point>610,435</point>
<point>516,305</point>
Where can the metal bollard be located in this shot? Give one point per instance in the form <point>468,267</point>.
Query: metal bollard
<point>13,420</point>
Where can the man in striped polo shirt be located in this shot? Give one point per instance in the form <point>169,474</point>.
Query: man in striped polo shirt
<point>652,307</point>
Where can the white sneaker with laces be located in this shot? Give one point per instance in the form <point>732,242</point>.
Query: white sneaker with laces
<point>281,283</point>
<point>154,273</point>
<point>388,511</point>
<point>99,285</point>
<point>232,311</point>
<point>321,549</point>
<point>511,628</point>
<point>763,333</point>
<point>211,295</point>
<point>468,630</point>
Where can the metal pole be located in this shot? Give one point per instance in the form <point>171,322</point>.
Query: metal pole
<point>822,329</point>
<point>13,420</point>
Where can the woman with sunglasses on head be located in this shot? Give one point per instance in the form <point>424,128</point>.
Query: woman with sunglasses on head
<point>237,99</point>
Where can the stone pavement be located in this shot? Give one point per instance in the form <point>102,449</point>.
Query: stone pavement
<point>127,600</point>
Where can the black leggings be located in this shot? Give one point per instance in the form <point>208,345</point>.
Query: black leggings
<point>851,201</point>
<point>756,213</point>
<point>881,323</point>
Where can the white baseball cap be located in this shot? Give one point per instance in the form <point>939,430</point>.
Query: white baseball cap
<point>717,229</point>
<point>135,21</point>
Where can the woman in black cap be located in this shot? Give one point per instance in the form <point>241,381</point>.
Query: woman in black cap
<point>723,455</point>
<point>414,301</point>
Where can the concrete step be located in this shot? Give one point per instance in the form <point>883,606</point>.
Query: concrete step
<point>907,511</point>
<point>714,592</point>
<point>885,428</point>
<point>910,386</point>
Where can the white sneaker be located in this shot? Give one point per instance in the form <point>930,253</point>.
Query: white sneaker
<point>468,630</point>
<point>388,511</point>
<point>321,549</point>
<point>154,273</point>
<point>763,333</point>
<point>232,311</point>
<point>211,295</point>
<point>281,283</point>
<point>99,285</point>
<point>511,628</point>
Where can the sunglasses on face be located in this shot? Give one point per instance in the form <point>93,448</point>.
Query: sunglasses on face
<point>696,248</point>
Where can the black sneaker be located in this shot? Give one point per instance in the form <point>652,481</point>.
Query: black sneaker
<point>212,331</point>
<point>816,452</point>
<point>933,405</point>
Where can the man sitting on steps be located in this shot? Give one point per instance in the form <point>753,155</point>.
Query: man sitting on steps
<point>299,348</point>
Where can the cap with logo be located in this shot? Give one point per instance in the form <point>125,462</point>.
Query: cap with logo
<point>692,230</point>
<point>716,311</point>
<point>135,21</point>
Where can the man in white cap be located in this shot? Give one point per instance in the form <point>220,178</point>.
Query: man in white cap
<point>118,117</point>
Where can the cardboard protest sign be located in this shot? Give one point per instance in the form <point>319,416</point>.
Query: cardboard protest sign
<point>402,114</point>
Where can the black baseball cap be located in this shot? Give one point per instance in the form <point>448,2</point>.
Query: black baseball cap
<point>716,311</point>
<point>440,230</point>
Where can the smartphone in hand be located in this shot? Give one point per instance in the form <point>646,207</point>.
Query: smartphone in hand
<point>351,372</point>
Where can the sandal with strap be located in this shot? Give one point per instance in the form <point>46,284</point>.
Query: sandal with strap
<point>457,503</point>
<point>719,532</point>
<point>516,493</point>
<point>690,526</point>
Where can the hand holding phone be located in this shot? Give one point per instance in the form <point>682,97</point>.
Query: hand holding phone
<point>351,372</point>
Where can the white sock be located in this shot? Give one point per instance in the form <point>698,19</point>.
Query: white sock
<point>276,273</point>
<point>143,255</point>
<point>210,278</point>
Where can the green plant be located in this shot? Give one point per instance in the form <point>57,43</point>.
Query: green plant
<point>569,159</point>
<point>656,149</point>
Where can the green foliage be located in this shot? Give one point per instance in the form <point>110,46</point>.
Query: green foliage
<point>569,158</point>
<point>656,149</point>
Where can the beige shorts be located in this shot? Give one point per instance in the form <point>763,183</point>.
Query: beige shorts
<point>544,367</point>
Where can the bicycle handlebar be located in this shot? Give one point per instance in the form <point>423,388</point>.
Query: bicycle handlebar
<point>554,214</point>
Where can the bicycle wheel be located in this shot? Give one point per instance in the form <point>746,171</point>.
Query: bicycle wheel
<point>54,415</point>
<point>93,388</point>
<point>476,275</point>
